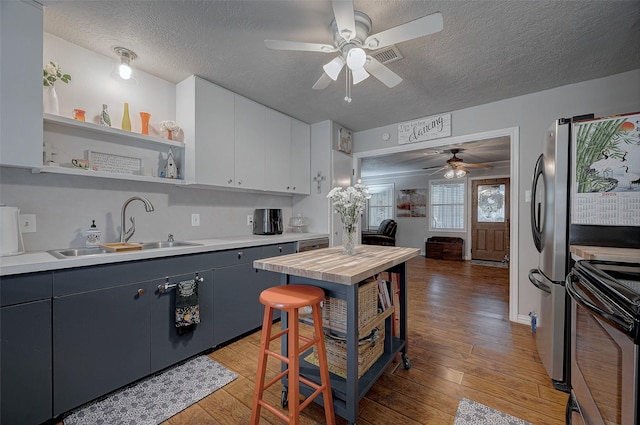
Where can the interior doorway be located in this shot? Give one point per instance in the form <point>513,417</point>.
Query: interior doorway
<point>490,219</point>
<point>513,135</point>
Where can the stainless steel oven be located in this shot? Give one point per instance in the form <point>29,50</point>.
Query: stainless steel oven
<point>605,333</point>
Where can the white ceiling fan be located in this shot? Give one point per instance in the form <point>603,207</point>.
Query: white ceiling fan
<point>351,37</point>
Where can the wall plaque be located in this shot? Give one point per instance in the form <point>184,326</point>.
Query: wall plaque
<point>109,163</point>
<point>428,128</point>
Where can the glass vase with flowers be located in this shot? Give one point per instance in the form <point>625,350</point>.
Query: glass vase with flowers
<point>349,203</point>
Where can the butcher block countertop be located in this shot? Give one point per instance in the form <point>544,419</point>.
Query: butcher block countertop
<point>603,253</point>
<point>331,265</point>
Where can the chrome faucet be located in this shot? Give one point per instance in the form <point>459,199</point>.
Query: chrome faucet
<point>125,236</point>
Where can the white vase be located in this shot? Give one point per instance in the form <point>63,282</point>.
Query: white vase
<point>50,101</point>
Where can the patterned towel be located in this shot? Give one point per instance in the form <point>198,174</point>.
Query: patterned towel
<point>187,308</point>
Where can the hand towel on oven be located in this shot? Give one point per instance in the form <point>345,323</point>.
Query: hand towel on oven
<point>187,308</point>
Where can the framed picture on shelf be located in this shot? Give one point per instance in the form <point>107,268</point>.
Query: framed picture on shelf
<point>345,140</point>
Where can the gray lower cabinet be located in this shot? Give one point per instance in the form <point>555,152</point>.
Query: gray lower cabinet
<point>25,349</point>
<point>112,325</point>
<point>237,286</point>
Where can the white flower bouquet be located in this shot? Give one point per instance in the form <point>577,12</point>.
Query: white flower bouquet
<point>51,73</point>
<point>349,203</point>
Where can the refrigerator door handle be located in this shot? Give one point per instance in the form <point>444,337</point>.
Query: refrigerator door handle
<point>536,223</point>
<point>537,283</point>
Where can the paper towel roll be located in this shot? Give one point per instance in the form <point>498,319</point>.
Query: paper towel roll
<point>10,236</point>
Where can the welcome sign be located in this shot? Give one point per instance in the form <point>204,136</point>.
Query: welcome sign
<point>428,128</point>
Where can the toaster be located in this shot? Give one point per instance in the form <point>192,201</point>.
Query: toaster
<point>267,221</point>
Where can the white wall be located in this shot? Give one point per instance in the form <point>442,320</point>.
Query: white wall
<point>92,85</point>
<point>532,113</point>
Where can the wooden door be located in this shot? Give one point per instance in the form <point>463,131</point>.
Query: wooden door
<point>490,219</point>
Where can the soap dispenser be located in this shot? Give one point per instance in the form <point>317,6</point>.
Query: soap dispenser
<point>93,236</point>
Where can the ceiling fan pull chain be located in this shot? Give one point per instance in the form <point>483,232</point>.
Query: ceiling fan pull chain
<point>347,88</point>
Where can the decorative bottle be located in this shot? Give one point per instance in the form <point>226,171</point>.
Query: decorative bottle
<point>105,119</point>
<point>126,119</point>
<point>93,236</point>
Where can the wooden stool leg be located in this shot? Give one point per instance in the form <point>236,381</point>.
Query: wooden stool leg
<point>294,368</point>
<point>262,365</point>
<point>324,367</point>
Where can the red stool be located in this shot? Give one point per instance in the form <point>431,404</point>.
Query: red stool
<point>290,298</point>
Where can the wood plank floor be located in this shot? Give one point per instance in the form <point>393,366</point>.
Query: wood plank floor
<point>461,344</point>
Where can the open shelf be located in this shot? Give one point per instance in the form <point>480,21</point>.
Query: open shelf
<point>118,134</point>
<point>91,173</point>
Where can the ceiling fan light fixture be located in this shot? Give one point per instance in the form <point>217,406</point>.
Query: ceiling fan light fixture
<point>334,67</point>
<point>449,174</point>
<point>359,75</point>
<point>356,58</point>
<point>460,173</point>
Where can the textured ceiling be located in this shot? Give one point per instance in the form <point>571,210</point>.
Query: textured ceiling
<point>488,50</point>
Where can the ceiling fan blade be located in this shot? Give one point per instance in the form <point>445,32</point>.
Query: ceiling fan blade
<point>299,46</point>
<point>322,82</point>
<point>437,171</point>
<point>477,165</point>
<point>382,73</point>
<point>420,27</point>
<point>345,18</point>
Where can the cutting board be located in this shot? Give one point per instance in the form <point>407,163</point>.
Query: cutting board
<point>603,253</point>
<point>121,246</point>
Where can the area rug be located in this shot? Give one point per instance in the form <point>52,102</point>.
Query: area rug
<point>473,413</point>
<point>156,398</point>
<point>490,263</point>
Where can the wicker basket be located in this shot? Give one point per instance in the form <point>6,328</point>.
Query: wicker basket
<point>370,348</point>
<point>334,310</point>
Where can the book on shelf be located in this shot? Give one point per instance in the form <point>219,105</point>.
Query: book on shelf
<point>383,294</point>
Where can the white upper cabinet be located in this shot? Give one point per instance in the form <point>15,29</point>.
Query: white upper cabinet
<point>300,173</point>
<point>249,125</point>
<point>277,142</point>
<point>287,154</point>
<point>206,113</point>
<point>21,84</point>
<point>235,142</point>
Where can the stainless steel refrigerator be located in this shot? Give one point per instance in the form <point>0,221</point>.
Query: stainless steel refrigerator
<point>567,174</point>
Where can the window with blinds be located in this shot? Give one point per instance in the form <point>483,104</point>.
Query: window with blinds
<point>380,205</point>
<point>447,205</point>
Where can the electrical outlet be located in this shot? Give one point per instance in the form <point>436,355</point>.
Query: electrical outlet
<point>249,220</point>
<point>195,219</point>
<point>27,223</point>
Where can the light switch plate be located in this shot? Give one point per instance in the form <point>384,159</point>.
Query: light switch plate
<point>249,220</point>
<point>195,219</point>
<point>27,223</point>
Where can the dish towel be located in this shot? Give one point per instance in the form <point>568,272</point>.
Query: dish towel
<point>187,308</point>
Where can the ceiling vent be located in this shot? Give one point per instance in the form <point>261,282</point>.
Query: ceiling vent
<point>387,55</point>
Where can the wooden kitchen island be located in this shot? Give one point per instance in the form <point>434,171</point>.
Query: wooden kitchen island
<point>340,276</point>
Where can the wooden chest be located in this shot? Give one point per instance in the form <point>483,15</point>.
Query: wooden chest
<point>444,248</point>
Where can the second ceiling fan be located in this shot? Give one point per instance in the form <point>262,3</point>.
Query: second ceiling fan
<point>456,167</point>
<point>351,37</point>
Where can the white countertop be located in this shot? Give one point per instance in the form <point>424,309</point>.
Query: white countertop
<point>43,261</point>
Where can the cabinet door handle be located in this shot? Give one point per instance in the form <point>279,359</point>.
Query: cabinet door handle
<point>240,254</point>
<point>230,181</point>
<point>140,291</point>
<point>294,188</point>
<point>239,181</point>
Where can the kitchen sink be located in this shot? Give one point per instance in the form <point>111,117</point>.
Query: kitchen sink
<point>83,252</point>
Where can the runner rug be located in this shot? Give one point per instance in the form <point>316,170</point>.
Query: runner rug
<point>156,398</point>
<point>473,413</point>
<point>499,264</point>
